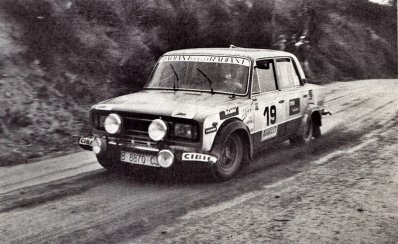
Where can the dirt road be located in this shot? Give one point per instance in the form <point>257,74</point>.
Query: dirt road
<point>343,188</point>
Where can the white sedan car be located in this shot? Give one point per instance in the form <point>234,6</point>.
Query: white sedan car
<point>214,106</point>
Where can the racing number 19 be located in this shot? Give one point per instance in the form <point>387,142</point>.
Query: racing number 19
<point>270,113</point>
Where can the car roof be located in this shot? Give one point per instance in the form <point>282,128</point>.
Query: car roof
<point>250,53</point>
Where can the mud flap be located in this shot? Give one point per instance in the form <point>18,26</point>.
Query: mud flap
<point>325,112</point>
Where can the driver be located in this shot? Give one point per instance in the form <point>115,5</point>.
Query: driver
<point>231,80</point>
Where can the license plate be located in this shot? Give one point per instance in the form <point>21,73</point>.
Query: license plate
<point>138,158</point>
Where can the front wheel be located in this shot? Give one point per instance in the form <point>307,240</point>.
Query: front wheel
<point>230,158</point>
<point>108,163</point>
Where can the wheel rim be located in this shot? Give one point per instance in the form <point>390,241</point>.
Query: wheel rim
<point>229,155</point>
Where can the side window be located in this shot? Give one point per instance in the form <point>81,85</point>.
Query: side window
<point>287,76</point>
<point>265,74</point>
<point>256,86</point>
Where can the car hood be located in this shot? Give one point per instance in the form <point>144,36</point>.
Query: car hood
<point>182,104</point>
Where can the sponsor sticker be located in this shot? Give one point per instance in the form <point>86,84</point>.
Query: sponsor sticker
<point>229,113</point>
<point>210,130</point>
<point>205,59</point>
<point>269,133</point>
<point>245,112</point>
<point>198,157</point>
<point>294,106</point>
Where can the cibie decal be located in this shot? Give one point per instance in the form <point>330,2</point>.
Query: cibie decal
<point>86,141</point>
<point>198,157</point>
<point>229,113</point>
<point>294,106</point>
<point>210,130</point>
<point>269,133</point>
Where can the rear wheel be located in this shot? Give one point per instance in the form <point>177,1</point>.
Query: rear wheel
<point>230,158</point>
<point>311,131</point>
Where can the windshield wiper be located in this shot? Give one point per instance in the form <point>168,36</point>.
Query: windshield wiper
<point>208,79</point>
<point>175,85</point>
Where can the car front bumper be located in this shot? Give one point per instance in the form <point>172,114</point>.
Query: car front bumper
<point>113,149</point>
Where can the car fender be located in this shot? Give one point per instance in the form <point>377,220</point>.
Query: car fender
<point>226,129</point>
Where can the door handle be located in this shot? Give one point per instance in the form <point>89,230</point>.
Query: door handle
<point>281,101</point>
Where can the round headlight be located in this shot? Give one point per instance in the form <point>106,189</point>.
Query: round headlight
<point>157,130</point>
<point>113,123</point>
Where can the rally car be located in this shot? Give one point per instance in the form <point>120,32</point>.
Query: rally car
<point>213,106</point>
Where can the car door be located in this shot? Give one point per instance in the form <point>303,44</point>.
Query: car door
<point>268,104</point>
<point>294,93</point>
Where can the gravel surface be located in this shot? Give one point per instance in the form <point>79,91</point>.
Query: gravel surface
<point>352,198</point>
<point>340,189</point>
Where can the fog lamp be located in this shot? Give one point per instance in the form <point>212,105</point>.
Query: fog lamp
<point>98,146</point>
<point>165,158</point>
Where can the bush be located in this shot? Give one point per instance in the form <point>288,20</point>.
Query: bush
<point>18,118</point>
<point>110,46</point>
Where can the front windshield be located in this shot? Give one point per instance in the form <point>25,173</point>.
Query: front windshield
<point>205,73</point>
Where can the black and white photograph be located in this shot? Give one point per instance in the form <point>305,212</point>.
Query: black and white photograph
<point>198,121</point>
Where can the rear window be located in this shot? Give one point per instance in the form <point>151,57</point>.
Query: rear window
<point>287,76</point>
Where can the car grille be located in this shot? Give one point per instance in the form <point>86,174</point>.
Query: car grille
<point>136,125</point>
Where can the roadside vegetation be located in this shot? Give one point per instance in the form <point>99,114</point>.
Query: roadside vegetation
<point>59,56</point>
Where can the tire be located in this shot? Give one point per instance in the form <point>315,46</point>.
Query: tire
<point>109,164</point>
<point>230,160</point>
<point>311,131</point>
<point>317,131</point>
